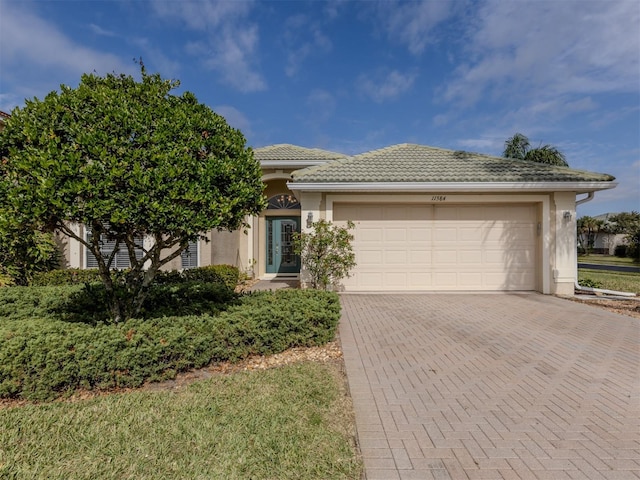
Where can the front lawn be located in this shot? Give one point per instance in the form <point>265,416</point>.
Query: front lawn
<point>607,260</point>
<point>286,423</point>
<point>618,281</point>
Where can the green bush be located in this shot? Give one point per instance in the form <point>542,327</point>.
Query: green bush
<point>589,283</point>
<point>19,303</point>
<point>70,276</point>
<point>226,274</point>
<point>42,358</point>
<point>620,251</point>
<point>223,274</point>
<point>87,303</point>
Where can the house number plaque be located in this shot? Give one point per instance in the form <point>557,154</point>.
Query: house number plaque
<point>438,198</point>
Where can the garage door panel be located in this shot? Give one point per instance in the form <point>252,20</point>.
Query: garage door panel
<point>420,257</point>
<point>420,234</point>
<point>470,257</point>
<point>446,257</point>
<point>420,279</point>
<point>395,279</point>
<point>470,234</point>
<point>398,257</point>
<point>370,235</point>
<point>369,257</point>
<point>469,280</point>
<point>394,234</point>
<point>442,247</point>
<point>445,234</point>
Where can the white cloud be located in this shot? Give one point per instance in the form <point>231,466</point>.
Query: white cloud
<point>8,101</point>
<point>386,87</point>
<point>480,145</point>
<point>29,41</point>
<point>563,48</point>
<point>321,105</point>
<point>155,56</point>
<point>411,23</point>
<point>235,118</point>
<point>230,43</point>
<point>332,8</point>
<point>98,30</point>
<point>203,15</point>
<point>302,38</point>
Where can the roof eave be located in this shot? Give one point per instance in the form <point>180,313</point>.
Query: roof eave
<point>297,164</point>
<point>480,187</point>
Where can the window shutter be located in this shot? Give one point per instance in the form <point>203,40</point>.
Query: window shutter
<point>189,256</point>
<point>121,259</point>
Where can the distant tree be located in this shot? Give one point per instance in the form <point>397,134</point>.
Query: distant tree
<point>628,223</point>
<point>130,161</point>
<point>326,253</point>
<point>588,228</point>
<point>518,147</point>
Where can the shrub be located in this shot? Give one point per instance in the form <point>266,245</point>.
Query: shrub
<point>589,283</point>
<point>18,303</point>
<point>620,251</point>
<point>70,276</point>
<point>226,274</point>
<point>41,358</point>
<point>25,252</point>
<point>6,280</point>
<point>326,253</point>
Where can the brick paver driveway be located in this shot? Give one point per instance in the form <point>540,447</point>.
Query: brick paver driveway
<point>456,386</point>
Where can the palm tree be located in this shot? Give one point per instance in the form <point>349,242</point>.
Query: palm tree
<point>518,147</point>
<point>588,228</point>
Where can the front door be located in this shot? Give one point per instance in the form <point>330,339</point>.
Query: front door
<point>280,255</point>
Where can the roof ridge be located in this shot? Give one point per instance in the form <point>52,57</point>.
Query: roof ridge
<point>406,162</point>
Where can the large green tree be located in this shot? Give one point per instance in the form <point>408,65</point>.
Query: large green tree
<point>129,160</point>
<point>518,147</point>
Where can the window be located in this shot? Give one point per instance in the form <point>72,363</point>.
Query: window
<point>189,256</point>
<point>121,259</point>
<point>283,201</point>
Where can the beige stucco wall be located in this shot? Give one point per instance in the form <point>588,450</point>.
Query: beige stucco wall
<point>557,257</point>
<point>563,259</point>
<point>556,267</point>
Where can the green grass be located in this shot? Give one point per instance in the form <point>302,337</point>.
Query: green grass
<point>607,260</point>
<point>285,423</point>
<point>619,281</point>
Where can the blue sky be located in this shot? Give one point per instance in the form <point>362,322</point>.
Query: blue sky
<point>354,76</point>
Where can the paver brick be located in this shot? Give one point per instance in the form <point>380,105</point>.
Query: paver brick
<point>492,386</point>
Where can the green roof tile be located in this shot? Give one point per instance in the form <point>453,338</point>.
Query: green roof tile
<point>417,163</point>
<point>291,153</point>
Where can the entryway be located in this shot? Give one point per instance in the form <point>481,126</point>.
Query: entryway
<point>281,258</point>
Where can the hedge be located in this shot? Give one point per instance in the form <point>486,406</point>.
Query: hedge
<point>224,274</point>
<point>43,358</point>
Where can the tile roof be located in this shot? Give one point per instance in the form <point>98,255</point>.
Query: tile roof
<point>291,153</point>
<point>418,163</point>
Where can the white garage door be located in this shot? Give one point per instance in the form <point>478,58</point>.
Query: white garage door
<point>442,247</point>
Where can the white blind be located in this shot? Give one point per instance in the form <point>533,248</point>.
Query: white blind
<point>121,259</point>
<point>189,256</point>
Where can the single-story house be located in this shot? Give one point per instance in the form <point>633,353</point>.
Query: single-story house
<point>606,242</point>
<point>425,219</point>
